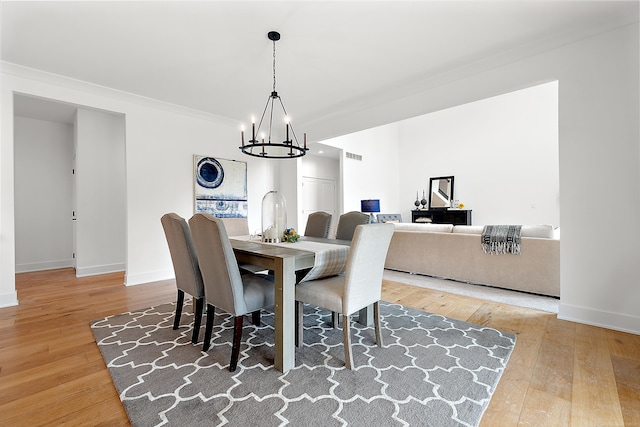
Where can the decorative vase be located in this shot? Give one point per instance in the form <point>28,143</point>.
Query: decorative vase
<point>417,202</point>
<point>274,217</point>
<point>423,202</point>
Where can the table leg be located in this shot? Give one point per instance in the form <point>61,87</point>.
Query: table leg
<point>285,281</point>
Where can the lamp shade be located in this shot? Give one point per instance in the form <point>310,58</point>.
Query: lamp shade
<point>369,206</point>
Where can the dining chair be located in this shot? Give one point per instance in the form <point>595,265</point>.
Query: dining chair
<point>236,226</point>
<point>240,227</point>
<point>348,222</point>
<point>186,268</point>
<point>318,224</point>
<point>225,288</point>
<point>360,286</point>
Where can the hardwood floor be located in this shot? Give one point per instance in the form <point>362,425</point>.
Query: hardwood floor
<point>51,371</point>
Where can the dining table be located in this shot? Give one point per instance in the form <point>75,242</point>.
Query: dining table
<point>319,257</point>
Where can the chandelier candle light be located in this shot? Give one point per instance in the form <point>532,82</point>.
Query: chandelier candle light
<point>287,149</point>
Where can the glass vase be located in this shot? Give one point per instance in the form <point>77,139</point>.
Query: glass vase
<point>274,217</point>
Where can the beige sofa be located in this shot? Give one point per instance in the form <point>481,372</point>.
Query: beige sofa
<point>455,252</point>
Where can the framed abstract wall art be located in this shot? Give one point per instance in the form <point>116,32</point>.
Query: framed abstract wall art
<point>220,187</point>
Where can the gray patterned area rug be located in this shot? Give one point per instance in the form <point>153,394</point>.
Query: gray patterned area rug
<point>432,371</point>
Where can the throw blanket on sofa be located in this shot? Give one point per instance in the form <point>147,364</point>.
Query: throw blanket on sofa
<point>501,239</point>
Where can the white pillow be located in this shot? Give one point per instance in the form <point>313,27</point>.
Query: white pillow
<point>544,231</point>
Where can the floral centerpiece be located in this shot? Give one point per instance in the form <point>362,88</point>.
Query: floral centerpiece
<point>290,235</point>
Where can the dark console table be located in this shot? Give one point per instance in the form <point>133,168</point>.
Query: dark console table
<point>442,216</point>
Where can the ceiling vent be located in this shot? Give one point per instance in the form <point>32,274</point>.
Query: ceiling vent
<point>353,156</point>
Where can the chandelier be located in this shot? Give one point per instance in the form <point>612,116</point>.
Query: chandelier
<point>263,146</point>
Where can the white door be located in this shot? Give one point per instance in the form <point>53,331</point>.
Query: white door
<point>318,194</point>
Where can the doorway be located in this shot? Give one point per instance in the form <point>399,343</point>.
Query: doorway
<point>318,194</point>
<point>69,164</point>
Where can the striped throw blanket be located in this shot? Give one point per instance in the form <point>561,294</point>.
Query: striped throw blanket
<point>501,239</point>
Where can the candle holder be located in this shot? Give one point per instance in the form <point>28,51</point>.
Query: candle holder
<point>274,217</point>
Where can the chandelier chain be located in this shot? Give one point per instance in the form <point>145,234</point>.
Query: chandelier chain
<point>274,65</point>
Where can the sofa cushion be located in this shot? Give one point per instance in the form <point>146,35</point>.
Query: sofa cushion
<point>437,228</point>
<point>389,218</point>
<point>544,231</point>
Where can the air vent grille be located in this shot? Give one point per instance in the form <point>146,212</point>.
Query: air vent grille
<point>353,156</point>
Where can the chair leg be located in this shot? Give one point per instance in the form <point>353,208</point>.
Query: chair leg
<point>237,339</point>
<point>207,330</point>
<point>346,334</point>
<point>299,323</point>
<point>198,320</point>
<point>179,303</point>
<point>255,317</point>
<point>376,321</point>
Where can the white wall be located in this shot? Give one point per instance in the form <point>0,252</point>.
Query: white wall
<point>43,179</point>
<point>502,151</point>
<point>377,175</point>
<point>101,228</point>
<point>320,167</point>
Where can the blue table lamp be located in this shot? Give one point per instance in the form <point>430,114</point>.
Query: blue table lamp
<point>370,206</point>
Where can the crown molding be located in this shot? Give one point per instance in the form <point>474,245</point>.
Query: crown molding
<point>69,83</point>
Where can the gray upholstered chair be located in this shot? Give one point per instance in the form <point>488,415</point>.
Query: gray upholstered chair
<point>186,268</point>
<point>225,288</point>
<point>318,224</point>
<point>359,287</point>
<point>240,227</point>
<point>236,226</point>
<point>348,222</point>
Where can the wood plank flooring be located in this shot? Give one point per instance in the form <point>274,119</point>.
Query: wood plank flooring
<point>51,371</point>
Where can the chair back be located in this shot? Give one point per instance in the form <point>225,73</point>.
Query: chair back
<point>222,280</point>
<point>236,226</point>
<point>183,255</point>
<point>318,224</point>
<point>348,222</point>
<point>365,265</point>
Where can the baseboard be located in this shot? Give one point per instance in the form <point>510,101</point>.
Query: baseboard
<point>155,276</point>
<point>99,269</point>
<point>603,319</point>
<point>40,266</point>
<point>9,300</point>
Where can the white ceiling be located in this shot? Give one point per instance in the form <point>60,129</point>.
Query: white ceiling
<point>334,58</point>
